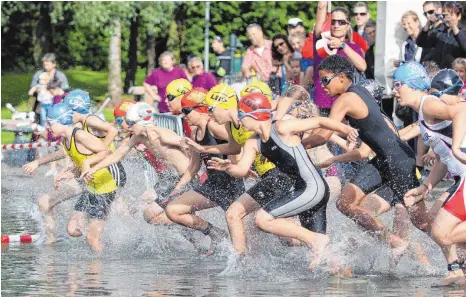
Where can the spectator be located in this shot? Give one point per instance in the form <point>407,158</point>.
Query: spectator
<point>448,41</point>
<point>259,55</point>
<point>297,42</point>
<point>361,17</point>
<point>49,65</point>
<point>223,61</point>
<point>370,30</point>
<point>44,96</point>
<point>201,79</point>
<point>156,82</point>
<point>431,67</point>
<point>341,39</point>
<point>459,65</point>
<point>410,51</point>
<point>282,51</point>
<point>295,26</point>
<point>295,75</point>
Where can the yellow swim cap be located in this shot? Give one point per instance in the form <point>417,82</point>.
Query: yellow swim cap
<point>222,95</point>
<point>257,86</point>
<point>178,88</point>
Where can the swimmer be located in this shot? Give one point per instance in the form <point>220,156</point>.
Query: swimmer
<point>140,121</point>
<point>307,193</point>
<point>436,129</point>
<point>220,189</point>
<point>84,150</point>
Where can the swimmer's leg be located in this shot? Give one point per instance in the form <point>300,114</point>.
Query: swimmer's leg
<point>235,218</point>
<point>76,223</point>
<point>94,232</point>
<point>154,214</point>
<point>181,211</point>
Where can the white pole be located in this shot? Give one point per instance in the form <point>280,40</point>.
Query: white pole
<point>206,36</point>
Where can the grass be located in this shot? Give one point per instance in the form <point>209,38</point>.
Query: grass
<point>15,87</point>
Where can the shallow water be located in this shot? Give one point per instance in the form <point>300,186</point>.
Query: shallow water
<point>144,260</point>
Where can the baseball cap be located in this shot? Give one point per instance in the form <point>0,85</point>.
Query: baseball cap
<point>295,21</point>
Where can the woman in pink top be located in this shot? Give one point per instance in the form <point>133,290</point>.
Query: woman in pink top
<point>341,39</point>
<point>160,78</point>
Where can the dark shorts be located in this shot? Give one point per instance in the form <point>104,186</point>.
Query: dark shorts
<point>119,174</point>
<point>95,205</point>
<point>221,188</point>
<point>272,184</point>
<point>165,184</point>
<point>389,182</point>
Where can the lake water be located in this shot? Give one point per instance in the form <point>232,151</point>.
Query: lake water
<point>144,260</point>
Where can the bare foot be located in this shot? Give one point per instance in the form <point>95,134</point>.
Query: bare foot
<point>216,236</point>
<point>317,249</point>
<point>419,253</point>
<point>454,278</point>
<point>399,250</point>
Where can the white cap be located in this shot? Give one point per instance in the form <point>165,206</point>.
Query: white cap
<point>294,21</point>
<point>141,113</point>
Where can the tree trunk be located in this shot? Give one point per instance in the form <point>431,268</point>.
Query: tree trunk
<point>114,65</point>
<point>132,65</point>
<point>150,53</point>
<point>42,37</point>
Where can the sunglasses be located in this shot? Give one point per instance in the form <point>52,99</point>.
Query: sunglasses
<point>130,123</point>
<point>339,22</point>
<point>429,12</point>
<point>242,114</point>
<point>359,13</point>
<point>327,79</point>
<point>119,120</point>
<point>171,97</point>
<point>280,44</point>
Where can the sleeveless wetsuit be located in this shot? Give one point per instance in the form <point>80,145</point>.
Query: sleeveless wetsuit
<point>118,171</point>
<point>272,183</point>
<point>308,193</point>
<point>100,193</point>
<point>394,159</point>
<point>439,137</point>
<point>219,187</point>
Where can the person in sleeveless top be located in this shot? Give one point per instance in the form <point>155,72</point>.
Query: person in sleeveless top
<point>84,150</point>
<point>435,126</point>
<point>219,189</point>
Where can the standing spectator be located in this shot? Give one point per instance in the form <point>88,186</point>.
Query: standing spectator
<point>341,39</point>
<point>223,62</point>
<point>282,51</point>
<point>201,79</point>
<point>259,55</point>
<point>448,41</point>
<point>410,51</point>
<point>459,65</point>
<point>295,26</point>
<point>49,65</point>
<point>370,30</point>
<point>156,82</point>
<point>297,41</point>
<point>361,17</point>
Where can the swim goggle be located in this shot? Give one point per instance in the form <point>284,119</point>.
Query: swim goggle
<point>440,93</point>
<point>242,114</point>
<point>119,120</point>
<point>130,123</point>
<point>171,97</point>
<point>187,110</point>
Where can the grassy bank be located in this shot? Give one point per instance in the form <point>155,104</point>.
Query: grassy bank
<point>15,87</point>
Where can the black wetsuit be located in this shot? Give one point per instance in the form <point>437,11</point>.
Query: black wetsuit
<point>395,160</point>
<point>219,187</point>
<point>309,192</point>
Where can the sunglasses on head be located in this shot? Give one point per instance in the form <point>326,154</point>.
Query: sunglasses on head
<point>242,114</point>
<point>119,120</point>
<point>339,22</point>
<point>327,79</point>
<point>432,11</point>
<point>360,13</point>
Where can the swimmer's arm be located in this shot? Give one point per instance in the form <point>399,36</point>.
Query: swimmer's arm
<point>436,109</point>
<point>118,154</point>
<point>358,154</point>
<point>55,156</point>
<point>451,99</point>
<point>303,125</point>
<point>459,133</point>
<point>170,139</point>
<point>218,131</point>
<point>96,123</point>
<point>190,173</point>
<point>282,106</point>
<point>409,132</point>
<point>437,173</point>
<point>340,142</point>
<point>230,148</point>
<point>241,168</point>
<point>93,144</point>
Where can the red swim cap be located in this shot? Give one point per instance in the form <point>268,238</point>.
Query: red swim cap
<point>195,99</point>
<point>120,109</point>
<point>256,106</point>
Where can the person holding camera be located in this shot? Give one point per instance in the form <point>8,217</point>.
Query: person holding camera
<point>443,32</point>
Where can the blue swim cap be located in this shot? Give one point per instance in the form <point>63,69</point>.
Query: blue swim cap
<point>60,113</point>
<point>79,101</point>
<point>414,75</point>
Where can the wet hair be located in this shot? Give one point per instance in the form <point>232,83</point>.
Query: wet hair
<point>275,54</point>
<point>337,64</point>
<point>349,34</point>
<point>361,4</point>
<point>431,67</point>
<point>437,4</point>
<point>453,6</point>
<point>50,57</point>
